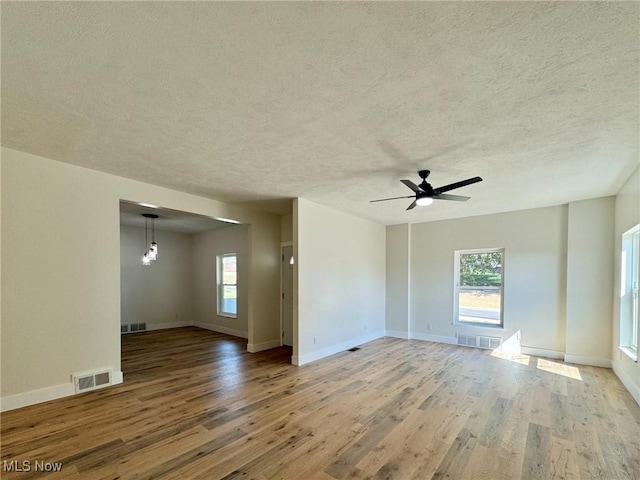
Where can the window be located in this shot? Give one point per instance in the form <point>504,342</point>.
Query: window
<point>227,285</point>
<point>629,291</point>
<point>478,287</point>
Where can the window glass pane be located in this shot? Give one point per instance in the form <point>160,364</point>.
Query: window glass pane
<point>479,305</point>
<point>634,286</point>
<point>229,301</point>
<point>481,269</point>
<point>227,285</point>
<point>479,290</point>
<point>229,270</point>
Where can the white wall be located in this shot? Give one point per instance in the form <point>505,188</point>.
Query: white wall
<point>339,281</point>
<point>206,247</point>
<point>534,275</point>
<point>61,271</point>
<point>627,214</point>
<point>590,254</point>
<point>159,294</point>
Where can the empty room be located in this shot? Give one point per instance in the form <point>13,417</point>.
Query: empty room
<point>320,240</point>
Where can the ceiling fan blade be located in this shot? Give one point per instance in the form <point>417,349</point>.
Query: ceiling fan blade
<point>452,186</point>
<point>457,198</point>
<point>412,186</point>
<point>392,198</point>
<point>415,202</point>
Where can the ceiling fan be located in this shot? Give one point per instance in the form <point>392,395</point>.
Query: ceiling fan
<point>425,194</point>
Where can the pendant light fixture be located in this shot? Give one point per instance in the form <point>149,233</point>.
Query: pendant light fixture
<point>152,252</point>
<point>153,248</point>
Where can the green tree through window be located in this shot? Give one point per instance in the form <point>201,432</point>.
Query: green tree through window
<point>481,269</point>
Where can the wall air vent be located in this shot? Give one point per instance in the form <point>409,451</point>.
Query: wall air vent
<point>468,340</point>
<point>85,382</point>
<point>489,342</point>
<point>133,327</point>
<point>478,341</point>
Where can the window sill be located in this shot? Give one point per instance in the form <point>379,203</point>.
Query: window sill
<point>227,315</point>
<point>629,353</point>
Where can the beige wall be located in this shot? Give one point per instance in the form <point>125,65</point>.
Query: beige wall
<point>159,294</point>
<point>558,276</point>
<point>286,228</point>
<point>264,284</point>
<point>398,269</point>
<point>61,271</point>
<point>627,214</point>
<point>590,254</point>
<point>206,247</point>
<point>339,281</point>
<point>534,275</point>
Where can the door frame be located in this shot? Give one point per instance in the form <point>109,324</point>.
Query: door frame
<point>282,247</point>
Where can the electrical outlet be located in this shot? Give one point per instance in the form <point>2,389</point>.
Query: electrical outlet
<point>428,326</point>
<point>315,340</point>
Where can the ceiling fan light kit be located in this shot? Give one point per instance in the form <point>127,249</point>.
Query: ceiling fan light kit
<point>425,194</point>
<point>424,201</point>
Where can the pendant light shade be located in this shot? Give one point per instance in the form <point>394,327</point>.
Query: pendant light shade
<point>153,251</point>
<point>151,254</point>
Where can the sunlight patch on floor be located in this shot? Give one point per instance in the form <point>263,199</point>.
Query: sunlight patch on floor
<point>559,369</point>
<point>512,357</point>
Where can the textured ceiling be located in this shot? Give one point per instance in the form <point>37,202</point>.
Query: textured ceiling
<point>334,102</point>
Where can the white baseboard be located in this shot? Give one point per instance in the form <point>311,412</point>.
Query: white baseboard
<point>627,381</point>
<point>541,352</point>
<point>333,349</point>
<point>11,402</point>
<point>117,378</point>
<point>219,329</point>
<point>422,336</point>
<point>396,334</point>
<point>259,347</point>
<point>582,360</point>
<point>165,325</point>
<point>538,352</point>
<point>433,338</point>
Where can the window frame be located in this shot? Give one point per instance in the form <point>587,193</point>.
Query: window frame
<point>635,263</point>
<point>220,285</point>
<point>456,288</point>
<point>629,307</point>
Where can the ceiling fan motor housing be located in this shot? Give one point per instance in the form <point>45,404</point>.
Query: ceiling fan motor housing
<point>424,185</point>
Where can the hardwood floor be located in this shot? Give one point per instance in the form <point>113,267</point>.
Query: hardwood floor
<point>195,405</point>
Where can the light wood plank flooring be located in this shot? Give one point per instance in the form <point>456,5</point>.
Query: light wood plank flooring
<point>195,405</point>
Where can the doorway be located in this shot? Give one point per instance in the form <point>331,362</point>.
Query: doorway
<point>286,306</point>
